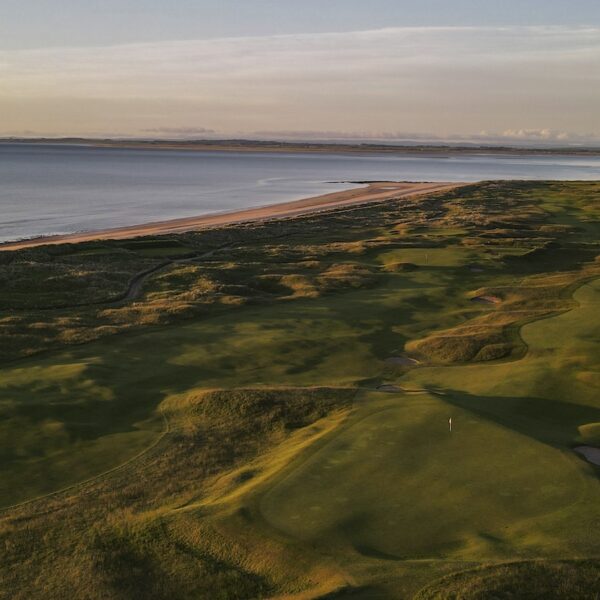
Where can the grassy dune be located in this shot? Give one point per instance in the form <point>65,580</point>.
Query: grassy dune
<point>208,404</point>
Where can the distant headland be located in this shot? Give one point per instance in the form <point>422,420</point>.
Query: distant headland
<point>249,145</point>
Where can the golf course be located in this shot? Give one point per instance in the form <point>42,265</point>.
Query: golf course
<point>396,399</point>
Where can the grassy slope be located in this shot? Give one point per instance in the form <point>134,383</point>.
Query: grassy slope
<point>353,494</point>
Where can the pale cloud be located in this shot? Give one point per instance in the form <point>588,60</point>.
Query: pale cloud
<point>537,134</point>
<point>545,136</point>
<point>525,82</point>
<point>180,131</point>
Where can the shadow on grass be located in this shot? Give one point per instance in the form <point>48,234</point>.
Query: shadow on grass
<point>548,421</point>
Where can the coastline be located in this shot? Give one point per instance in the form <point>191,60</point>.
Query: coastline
<point>372,192</point>
<point>295,147</point>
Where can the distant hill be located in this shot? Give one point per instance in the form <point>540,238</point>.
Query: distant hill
<point>244,145</point>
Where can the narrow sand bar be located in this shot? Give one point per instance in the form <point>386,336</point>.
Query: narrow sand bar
<point>373,192</point>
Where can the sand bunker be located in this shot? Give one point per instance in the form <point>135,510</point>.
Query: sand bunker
<point>401,361</point>
<point>487,299</point>
<point>590,453</point>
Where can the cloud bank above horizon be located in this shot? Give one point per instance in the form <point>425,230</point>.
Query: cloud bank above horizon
<point>514,83</point>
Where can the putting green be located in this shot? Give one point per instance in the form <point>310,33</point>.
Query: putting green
<point>395,482</point>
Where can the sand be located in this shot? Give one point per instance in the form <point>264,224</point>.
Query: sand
<point>590,453</point>
<point>374,192</point>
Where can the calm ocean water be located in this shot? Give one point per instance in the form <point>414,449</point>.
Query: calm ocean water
<point>65,189</point>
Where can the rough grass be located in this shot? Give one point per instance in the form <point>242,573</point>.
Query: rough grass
<point>35,281</point>
<point>551,580</point>
<point>293,259</point>
<point>120,537</point>
<point>252,346</point>
<point>493,335</point>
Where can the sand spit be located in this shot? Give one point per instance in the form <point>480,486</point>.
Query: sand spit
<point>374,192</point>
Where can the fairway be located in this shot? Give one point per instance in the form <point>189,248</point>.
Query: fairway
<point>502,484</point>
<point>78,413</point>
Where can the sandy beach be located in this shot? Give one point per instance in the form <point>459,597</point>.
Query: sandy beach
<point>373,192</point>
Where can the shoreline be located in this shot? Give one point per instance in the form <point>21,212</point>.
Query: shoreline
<point>373,192</point>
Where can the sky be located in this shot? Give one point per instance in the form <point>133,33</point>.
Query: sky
<point>523,71</point>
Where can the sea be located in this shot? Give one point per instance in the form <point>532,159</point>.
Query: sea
<point>50,189</point>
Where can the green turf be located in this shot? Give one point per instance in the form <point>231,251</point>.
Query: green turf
<point>107,393</point>
<point>503,483</point>
<point>397,484</point>
<point>220,404</point>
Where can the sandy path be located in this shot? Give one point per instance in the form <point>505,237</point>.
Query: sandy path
<point>374,192</point>
<point>137,283</point>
